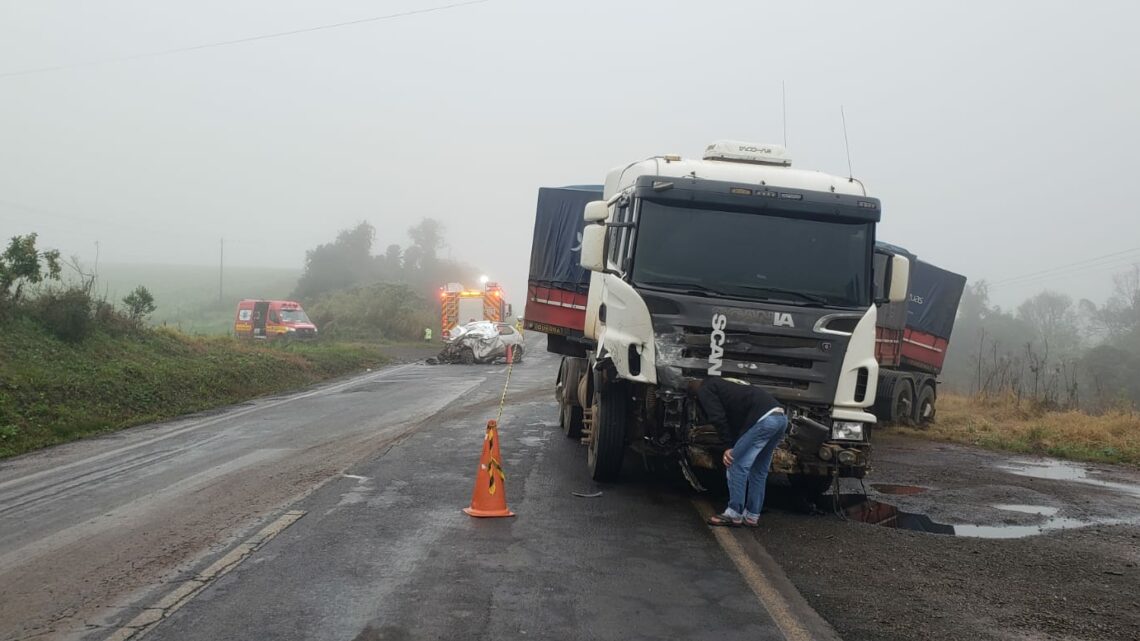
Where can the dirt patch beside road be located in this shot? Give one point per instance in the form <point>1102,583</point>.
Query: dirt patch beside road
<point>881,583</point>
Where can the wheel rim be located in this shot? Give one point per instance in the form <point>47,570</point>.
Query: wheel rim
<point>592,442</point>
<point>902,408</point>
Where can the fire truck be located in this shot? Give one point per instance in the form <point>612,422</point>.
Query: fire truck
<point>459,306</point>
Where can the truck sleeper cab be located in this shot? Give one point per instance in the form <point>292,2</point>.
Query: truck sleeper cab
<point>272,319</point>
<point>737,266</point>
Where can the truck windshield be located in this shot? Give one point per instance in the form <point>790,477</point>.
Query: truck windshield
<point>753,256</point>
<point>293,316</point>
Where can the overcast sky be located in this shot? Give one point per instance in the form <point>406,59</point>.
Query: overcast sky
<point>1001,136</point>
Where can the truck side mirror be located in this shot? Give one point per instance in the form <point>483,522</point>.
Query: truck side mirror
<point>899,279</point>
<point>593,255</point>
<point>596,211</point>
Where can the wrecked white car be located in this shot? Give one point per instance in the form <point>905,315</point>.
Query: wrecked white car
<point>481,342</point>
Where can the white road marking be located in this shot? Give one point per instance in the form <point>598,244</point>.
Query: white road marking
<point>146,620</point>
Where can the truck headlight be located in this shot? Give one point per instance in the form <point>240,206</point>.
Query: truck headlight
<point>847,431</point>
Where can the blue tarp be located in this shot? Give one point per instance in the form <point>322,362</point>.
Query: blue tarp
<point>934,297</point>
<point>557,243</point>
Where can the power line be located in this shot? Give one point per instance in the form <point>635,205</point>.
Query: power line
<point>1059,268</point>
<point>1116,263</point>
<point>226,43</point>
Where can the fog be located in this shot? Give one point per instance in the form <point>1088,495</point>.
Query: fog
<point>1001,136</point>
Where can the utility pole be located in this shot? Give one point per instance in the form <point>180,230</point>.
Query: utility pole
<point>221,266</point>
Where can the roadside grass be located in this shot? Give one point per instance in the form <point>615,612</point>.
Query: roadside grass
<point>52,392</point>
<point>1003,423</point>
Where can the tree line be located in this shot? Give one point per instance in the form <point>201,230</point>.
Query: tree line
<point>1050,350</point>
<point>352,292</point>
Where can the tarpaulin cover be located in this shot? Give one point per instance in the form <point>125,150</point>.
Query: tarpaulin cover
<point>557,244</point>
<point>934,296</point>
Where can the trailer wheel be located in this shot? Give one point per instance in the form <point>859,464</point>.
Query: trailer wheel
<point>925,414</point>
<point>811,486</point>
<point>902,403</point>
<point>607,433</point>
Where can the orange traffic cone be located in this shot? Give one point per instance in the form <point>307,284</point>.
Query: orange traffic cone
<point>490,495</point>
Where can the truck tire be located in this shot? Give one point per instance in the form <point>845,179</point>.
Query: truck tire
<point>924,414</point>
<point>607,439</point>
<point>811,486</point>
<point>902,403</point>
<point>570,420</point>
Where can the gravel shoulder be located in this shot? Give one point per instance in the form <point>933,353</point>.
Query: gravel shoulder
<point>880,583</point>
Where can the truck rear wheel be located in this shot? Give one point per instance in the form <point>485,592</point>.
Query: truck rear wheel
<point>925,414</point>
<point>566,393</point>
<point>902,403</point>
<point>607,433</point>
<point>570,419</point>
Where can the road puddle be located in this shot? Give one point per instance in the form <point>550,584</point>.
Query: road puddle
<point>1040,510</point>
<point>856,507</point>
<point>893,488</point>
<point>1065,471</point>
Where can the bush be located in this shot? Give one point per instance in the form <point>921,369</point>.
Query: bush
<point>375,312</point>
<point>66,313</point>
<point>140,304</point>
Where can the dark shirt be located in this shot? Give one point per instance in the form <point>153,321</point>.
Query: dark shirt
<point>733,408</point>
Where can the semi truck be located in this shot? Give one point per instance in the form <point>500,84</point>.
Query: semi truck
<point>459,306</point>
<point>733,265</point>
<point>911,340</point>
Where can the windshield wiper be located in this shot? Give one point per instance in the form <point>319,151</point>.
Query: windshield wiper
<point>694,289</point>
<point>776,290</point>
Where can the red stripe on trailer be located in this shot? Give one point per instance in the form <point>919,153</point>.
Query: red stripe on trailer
<point>888,346</point>
<point>555,309</point>
<point>923,351</point>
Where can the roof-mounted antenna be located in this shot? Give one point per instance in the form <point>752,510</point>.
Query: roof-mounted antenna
<point>850,172</point>
<point>784,104</point>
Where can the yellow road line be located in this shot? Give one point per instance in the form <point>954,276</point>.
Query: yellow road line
<point>180,596</point>
<point>788,618</point>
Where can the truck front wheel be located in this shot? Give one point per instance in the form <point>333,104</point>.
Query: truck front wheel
<point>607,433</point>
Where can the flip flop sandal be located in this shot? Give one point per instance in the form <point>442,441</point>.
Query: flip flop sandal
<point>721,520</point>
<point>751,522</point>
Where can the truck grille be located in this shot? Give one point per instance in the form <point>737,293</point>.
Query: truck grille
<point>795,367</point>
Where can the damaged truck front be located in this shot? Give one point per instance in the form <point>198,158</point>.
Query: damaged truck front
<point>735,265</point>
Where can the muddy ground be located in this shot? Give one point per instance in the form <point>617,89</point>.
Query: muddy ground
<point>874,582</point>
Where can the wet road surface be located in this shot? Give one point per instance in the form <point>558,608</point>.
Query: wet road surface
<point>335,514</point>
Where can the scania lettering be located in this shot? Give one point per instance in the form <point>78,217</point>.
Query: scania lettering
<point>716,344</point>
<point>734,265</point>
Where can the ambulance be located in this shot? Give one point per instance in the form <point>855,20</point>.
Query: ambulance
<point>272,319</point>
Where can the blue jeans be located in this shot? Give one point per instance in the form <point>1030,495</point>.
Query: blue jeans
<point>751,458</point>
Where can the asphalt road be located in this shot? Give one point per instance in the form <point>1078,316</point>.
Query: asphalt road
<point>335,514</point>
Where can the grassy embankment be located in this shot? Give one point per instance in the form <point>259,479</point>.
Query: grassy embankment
<point>1004,424</point>
<point>52,391</point>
